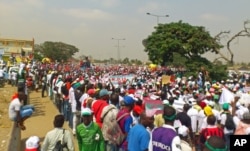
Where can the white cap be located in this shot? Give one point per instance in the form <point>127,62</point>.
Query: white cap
<point>32,142</point>
<point>165,102</point>
<point>183,131</point>
<point>211,103</point>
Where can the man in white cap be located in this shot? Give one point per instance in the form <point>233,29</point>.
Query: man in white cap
<point>183,134</point>
<point>32,144</point>
<point>89,134</point>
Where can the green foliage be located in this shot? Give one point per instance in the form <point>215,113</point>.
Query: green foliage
<point>56,50</point>
<point>181,44</point>
<point>215,72</point>
<point>181,38</point>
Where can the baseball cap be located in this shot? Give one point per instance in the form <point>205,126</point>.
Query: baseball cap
<point>32,143</point>
<point>91,91</point>
<point>86,111</point>
<point>225,106</point>
<point>128,100</point>
<point>137,109</point>
<point>104,92</point>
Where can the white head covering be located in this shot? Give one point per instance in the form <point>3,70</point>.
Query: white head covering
<point>32,142</point>
<point>183,131</point>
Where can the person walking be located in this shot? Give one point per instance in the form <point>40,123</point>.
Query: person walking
<point>89,134</point>
<point>166,137</point>
<point>138,136</point>
<point>57,134</point>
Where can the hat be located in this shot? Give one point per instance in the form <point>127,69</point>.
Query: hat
<point>211,103</point>
<point>86,111</point>
<point>165,102</point>
<point>183,131</point>
<point>137,109</point>
<point>216,97</point>
<point>91,91</point>
<point>202,104</point>
<point>103,92</point>
<point>32,143</point>
<point>225,106</point>
<point>128,100</point>
<point>208,111</point>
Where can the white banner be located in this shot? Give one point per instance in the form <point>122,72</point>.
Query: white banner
<point>226,96</point>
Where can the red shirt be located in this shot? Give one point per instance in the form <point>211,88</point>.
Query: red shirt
<point>211,131</point>
<point>97,108</point>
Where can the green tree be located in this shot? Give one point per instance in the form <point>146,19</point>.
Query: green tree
<point>56,50</point>
<point>125,60</point>
<point>181,44</point>
<point>181,38</point>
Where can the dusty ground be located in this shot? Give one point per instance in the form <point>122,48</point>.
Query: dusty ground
<point>39,124</point>
<point>5,123</point>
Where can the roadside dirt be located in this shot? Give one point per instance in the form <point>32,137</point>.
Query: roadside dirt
<point>38,125</point>
<point>5,124</point>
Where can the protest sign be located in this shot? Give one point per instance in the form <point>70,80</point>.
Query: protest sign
<point>226,96</point>
<point>165,79</point>
<point>153,107</point>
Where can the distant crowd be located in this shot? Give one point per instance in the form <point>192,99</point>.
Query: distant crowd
<point>135,108</point>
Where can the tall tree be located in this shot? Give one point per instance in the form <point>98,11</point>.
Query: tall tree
<point>56,50</point>
<point>182,38</point>
<point>181,44</point>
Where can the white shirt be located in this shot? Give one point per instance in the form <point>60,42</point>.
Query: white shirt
<point>13,75</point>
<point>223,122</point>
<point>14,106</point>
<point>193,114</point>
<point>72,99</point>
<point>1,73</point>
<point>53,136</point>
<point>82,99</point>
<point>185,146</point>
<point>201,117</point>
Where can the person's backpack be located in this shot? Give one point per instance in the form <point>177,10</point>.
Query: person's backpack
<point>78,95</point>
<point>229,124</point>
<point>113,131</point>
<point>60,145</point>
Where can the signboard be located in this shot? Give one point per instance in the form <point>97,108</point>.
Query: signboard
<point>119,79</point>
<point>165,79</point>
<point>153,107</point>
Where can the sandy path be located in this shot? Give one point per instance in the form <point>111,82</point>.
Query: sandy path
<point>42,120</point>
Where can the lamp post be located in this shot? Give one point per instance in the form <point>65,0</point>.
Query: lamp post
<point>157,16</point>
<point>118,47</point>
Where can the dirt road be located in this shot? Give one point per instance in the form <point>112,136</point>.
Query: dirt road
<point>39,124</point>
<point>42,120</point>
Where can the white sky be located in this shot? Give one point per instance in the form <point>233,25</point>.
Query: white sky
<point>90,25</point>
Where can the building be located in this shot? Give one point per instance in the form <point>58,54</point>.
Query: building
<point>17,48</point>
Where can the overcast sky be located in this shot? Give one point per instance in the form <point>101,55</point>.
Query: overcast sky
<point>90,25</point>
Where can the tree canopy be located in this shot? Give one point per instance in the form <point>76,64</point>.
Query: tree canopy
<point>181,44</point>
<point>55,50</point>
<point>181,38</point>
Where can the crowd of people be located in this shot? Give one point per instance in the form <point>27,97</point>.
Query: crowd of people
<point>195,113</point>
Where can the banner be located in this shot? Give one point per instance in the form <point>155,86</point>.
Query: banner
<point>226,96</point>
<point>153,107</point>
<point>119,79</point>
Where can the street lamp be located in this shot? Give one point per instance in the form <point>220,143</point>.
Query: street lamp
<point>118,47</point>
<point>157,16</point>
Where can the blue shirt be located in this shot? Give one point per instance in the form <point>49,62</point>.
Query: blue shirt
<point>138,138</point>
